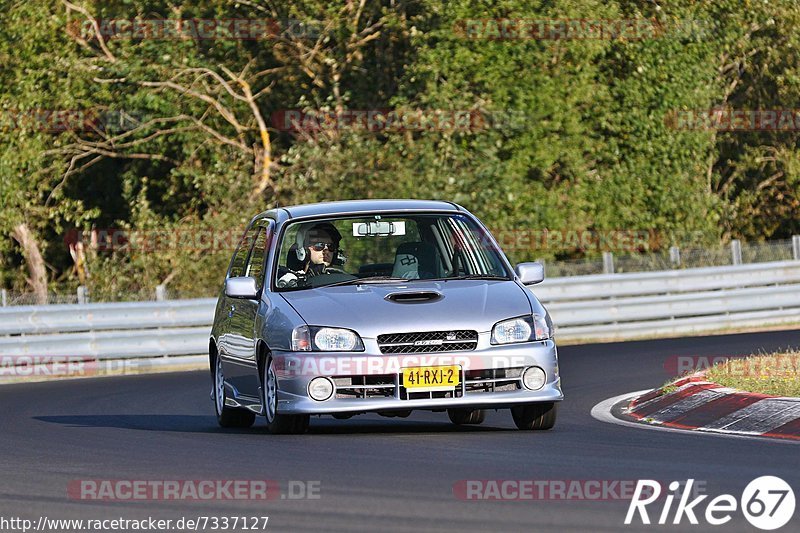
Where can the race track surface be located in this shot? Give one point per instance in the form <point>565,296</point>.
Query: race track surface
<point>374,473</point>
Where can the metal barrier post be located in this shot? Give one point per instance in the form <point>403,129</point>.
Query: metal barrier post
<point>161,293</point>
<point>4,297</point>
<point>544,266</point>
<point>608,263</point>
<point>83,296</point>
<point>675,256</point>
<point>736,252</point>
<point>796,247</point>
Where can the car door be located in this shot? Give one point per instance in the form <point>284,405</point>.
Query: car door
<point>227,340</point>
<point>243,368</point>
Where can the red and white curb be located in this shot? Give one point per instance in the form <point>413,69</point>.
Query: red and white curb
<point>700,405</point>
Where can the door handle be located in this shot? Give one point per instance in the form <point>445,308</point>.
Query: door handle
<point>230,313</point>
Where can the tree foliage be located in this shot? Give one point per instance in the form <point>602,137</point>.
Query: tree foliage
<point>179,133</point>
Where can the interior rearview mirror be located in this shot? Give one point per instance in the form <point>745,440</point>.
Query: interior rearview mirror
<point>378,228</point>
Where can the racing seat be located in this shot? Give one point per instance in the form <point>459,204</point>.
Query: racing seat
<point>292,262</point>
<point>416,260</point>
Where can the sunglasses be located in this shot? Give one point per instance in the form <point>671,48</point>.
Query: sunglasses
<point>319,246</point>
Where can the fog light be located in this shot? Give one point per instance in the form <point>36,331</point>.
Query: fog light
<point>320,389</point>
<point>534,378</point>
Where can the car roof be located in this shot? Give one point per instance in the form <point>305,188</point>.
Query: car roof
<point>347,207</point>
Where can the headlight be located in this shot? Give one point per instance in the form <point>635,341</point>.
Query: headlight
<point>522,329</point>
<point>336,340</point>
<point>325,339</point>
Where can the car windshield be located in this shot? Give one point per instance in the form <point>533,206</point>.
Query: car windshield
<point>385,249</point>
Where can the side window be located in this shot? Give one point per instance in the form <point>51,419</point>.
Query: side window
<point>241,253</point>
<point>255,265</point>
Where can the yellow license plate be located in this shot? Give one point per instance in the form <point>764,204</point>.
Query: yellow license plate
<point>431,377</point>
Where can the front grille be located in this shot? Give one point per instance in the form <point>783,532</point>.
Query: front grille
<point>440,341</point>
<point>409,394</point>
<point>369,386</point>
<point>493,380</point>
<point>471,382</point>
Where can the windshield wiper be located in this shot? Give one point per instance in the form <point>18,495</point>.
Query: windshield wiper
<point>359,281</point>
<point>473,276</point>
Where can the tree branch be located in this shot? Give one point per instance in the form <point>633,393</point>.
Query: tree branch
<point>85,12</point>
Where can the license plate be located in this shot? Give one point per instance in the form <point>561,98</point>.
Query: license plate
<point>431,378</point>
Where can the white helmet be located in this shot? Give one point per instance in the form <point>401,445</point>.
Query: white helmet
<point>305,229</point>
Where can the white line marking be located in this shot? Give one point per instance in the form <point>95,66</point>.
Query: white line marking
<point>686,404</point>
<point>761,417</point>
<point>662,396</point>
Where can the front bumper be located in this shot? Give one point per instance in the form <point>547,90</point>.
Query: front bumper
<point>487,379</point>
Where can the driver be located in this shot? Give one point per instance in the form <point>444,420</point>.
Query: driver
<point>322,246</point>
<point>319,249</point>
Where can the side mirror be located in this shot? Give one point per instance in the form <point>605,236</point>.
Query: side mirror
<point>530,273</point>
<point>242,287</point>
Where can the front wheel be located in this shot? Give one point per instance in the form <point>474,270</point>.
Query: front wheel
<point>538,416</point>
<point>228,417</point>
<point>278,423</point>
<point>466,416</point>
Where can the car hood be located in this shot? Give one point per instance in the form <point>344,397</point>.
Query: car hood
<point>370,309</point>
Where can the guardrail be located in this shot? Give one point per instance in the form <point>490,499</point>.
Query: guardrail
<point>674,302</point>
<point>108,330</point>
<point>607,307</point>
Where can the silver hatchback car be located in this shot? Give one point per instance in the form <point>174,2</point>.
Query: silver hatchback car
<point>379,306</point>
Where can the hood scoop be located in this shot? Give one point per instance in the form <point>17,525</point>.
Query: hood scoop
<point>411,297</point>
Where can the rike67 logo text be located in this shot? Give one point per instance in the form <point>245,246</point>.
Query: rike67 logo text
<point>767,503</point>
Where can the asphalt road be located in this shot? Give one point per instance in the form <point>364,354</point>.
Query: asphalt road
<point>374,473</point>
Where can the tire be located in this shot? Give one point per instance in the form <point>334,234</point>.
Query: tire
<point>535,416</point>
<point>461,417</point>
<point>277,423</point>
<point>228,417</point>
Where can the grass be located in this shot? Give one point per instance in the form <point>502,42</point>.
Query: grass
<point>668,388</point>
<point>776,374</point>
